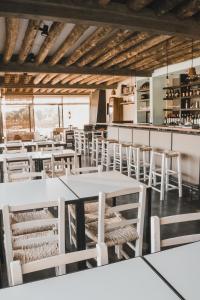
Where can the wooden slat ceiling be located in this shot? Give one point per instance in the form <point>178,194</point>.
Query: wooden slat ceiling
<point>79,58</point>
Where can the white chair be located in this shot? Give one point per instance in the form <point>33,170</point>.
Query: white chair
<point>31,233</point>
<point>116,230</point>
<point>17,165</point>
<point>157,243</point>
<point>24,176</point>
<point>96,151</point>
<point>14,151</point>
<point>77,144</point>
<point>91,208</point>
<point>84,148</point>
<point>99,252</point>
<point>107,155</point>
<point>59,165</point>
<point>120,162</point>
<point>44,146</point>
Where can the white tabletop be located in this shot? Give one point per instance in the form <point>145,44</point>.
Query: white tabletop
<point>20,193</point>
<point>89,185</point>
<point>180,266</point>
<point>37,154</point>
<point>31,143</point>
<point>132,279</point>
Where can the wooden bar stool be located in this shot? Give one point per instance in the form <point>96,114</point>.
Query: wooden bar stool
<point>107,153</point>
<point>120,159</point>
<point>134,161</point>
<point>96,151</point>
<point>164,171</point>
<point>145,161</point>
<point>169,157</point>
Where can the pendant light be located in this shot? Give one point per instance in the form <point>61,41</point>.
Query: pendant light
<point>167,82</point>
<point>192,74</point>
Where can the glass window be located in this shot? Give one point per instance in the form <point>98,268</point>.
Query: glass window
<point>76,111</point>
<point>46,119</point>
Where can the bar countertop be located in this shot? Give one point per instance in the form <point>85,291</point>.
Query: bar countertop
<point>178,129</point>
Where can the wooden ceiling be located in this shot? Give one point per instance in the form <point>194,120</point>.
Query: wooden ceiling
<point>92,44</point>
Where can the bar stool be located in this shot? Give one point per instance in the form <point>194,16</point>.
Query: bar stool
<point>120,159</point>
<point>83,142</point>
<point>95,134</point>
<point>107,153</point>
<point>96,151</point>
<point>164,171</point>
<point>138,162</point>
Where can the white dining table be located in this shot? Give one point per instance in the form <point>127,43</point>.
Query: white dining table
<point>31,143</point>
<point>33,191</point>
<point>35,155</point>
<point>131,279</point>
<point>89,185</point>
<point>181,268</point>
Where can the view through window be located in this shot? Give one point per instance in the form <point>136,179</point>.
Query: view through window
<point>44,113</point>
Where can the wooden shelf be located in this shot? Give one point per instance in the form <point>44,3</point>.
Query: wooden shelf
<point>143,91</point>
<point>185,97</point>
<point>143,110</point>
<point>127,103</point>
<point>182,85</point>
<point>143,100</point>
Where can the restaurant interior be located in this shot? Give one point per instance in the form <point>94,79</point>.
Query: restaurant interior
<point>99,149</point>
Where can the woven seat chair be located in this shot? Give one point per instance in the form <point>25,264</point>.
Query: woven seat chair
<point>23,176</point>
<point>17,165</point>
<point>91,208</point>
<point>59,166</point>
<point>117,230</point>
<point>31,233</point>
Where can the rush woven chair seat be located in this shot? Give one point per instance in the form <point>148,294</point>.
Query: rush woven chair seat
<point>118,230</point>
<point>32,233</point>
<point>116,236</point>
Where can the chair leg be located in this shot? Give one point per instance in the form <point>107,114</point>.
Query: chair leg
<point>179,176</point>
<point>138,164</point>
<point>166,173</point>
<point>151,170</point>
<point>118,249</point>
<point>70,229</point>
<point>162,188</point>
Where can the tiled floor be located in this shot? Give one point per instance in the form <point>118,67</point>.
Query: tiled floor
<point>190,202</point>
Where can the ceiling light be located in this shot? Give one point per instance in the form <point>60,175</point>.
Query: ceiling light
<point>44,30</point>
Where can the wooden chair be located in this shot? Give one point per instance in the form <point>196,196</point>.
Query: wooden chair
<point>24,176</point>
<point>17,165</point>
<point>17,269</point>
<point>91,208</point>
<point>116,230</point>
<point>59,165</point>
<point>32,233</point>
<point>157,244</point>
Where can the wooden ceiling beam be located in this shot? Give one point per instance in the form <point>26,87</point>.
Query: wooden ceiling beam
<point>28,40</point>
<point>165,6</point>
<point>135,50</point>
<point>117,37</point>
<point>116,15</point>
<point>59,78</point>
<point>137,38</point>
<point>12,30</point>
<point>174,41</point>
<point>137,5</point>
<point>71,39</point>
<point>38,78</point>
<point>54,32</point>
<point>189,8</point>
<point>48,78</point>
<point>56,86</point>
<point>99,35</point>
<point>44,69</point>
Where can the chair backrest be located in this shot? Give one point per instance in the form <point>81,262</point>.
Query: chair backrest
<point>157,244</point>
<point>137,222</point>
<point>85,170</point>
<point>14,151</point>
<point>17,165</point>
<point>24,176</point>
<point>44,146</point>
<point>58,162</point>
<point>29,227</point>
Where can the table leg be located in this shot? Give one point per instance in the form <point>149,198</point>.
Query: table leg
<point>79,161</point>
<point>1,249</point>
<point>80,230</point>
<point>147,223</point>
<point>1,172</point>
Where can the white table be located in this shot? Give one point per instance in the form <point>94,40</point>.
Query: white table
<point>41,190</point>
<point>31,143</point>
<point>132,279</point>
<point>42,155</point>
<point>89,185</point>
<point>181,268</point>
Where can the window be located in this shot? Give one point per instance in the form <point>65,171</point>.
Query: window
<point>76,111</point>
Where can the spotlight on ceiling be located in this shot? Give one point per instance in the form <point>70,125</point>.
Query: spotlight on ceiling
<point>31,57</point>
<point>44,30</point>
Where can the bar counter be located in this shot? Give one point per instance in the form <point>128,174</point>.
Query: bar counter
<point>183,139</point>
